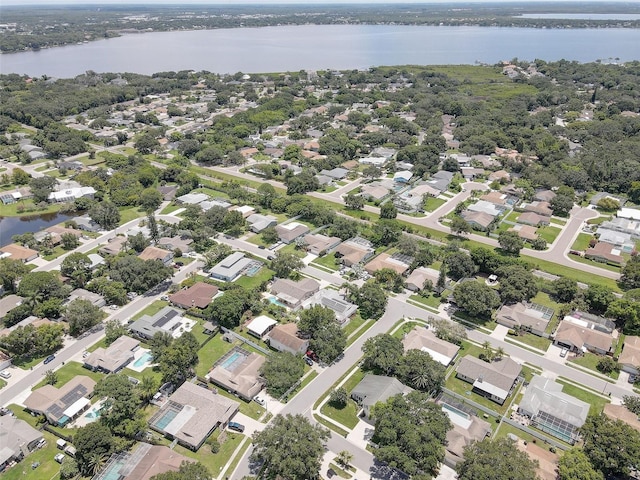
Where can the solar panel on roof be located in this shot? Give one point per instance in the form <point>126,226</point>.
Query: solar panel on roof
<point>165,318</point>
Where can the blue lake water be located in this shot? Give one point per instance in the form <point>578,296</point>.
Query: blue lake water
<point>319,47</point>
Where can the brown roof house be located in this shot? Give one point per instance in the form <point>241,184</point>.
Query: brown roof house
<point>423,339</point>
<point>533,219</point>
<point>192,413</point>
<point>385,260</point>
<point>467,428</point>
<point>114,246</point>
<point>525,232</point>
<point>622,413</point>
<point>354,251</point>
<point>61,405</point>
<point>377,388</point>
<point>198,295</point>
<point>289,232</point>
<point>177,242</point>
<point>580,337</point>
<point>605,253</point>
<point>421,275</point>
<point>321,244</point>
<point>493,380</point>
<point>478,220</point>
<point>542,208</point>
<point>145,462</point>
<point>155,253</point>
<point>284,338</point>
<point>17,440</point>
<point>629,358</point>
<point>294,293</point>
<point>113,358</point>
<point>238,371</point>
<point>525,316</point>
<point>18,252</point>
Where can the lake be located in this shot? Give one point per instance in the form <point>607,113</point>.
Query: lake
<point>10,226</point>
<point>319,47</point>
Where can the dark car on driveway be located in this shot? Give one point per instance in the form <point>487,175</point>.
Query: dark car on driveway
<point>308,361</point>
<point>49,359</point>
<point>238,427</point>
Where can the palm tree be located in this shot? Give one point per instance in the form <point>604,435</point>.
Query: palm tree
<point>344,458</point>
<point>96,461</point>
<point>499,353</point>
<point>147,387</point>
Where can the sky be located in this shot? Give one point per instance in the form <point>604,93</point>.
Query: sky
<point>263,2</point>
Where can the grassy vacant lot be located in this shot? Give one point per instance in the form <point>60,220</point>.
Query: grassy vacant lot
<point>596,401</point>
<point>582,242</point>
<point>69,371</point>
<point>549,233</point>
<point>590,360</point>
<point>328,261</point>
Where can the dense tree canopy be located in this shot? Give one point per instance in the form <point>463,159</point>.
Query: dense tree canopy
<point>476,298</point>
<point>495,460</point>
<point>281,371</point>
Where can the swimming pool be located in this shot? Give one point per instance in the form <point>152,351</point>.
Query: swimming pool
<point>144,359</point>
<point>252,269</point>
<point>233,358</point>
<point>93,413</point>
<point>275,301</point>
<point>166,419</point>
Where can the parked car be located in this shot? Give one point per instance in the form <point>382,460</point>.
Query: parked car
<point>238,427</point>
<point>564,352</point>
<point>308,361</point>
<point>5,374</point>
<point>261,247</point>
<point>259,400</point>
<point>49,359</point>
<point>164,298</point>
<point>633,378</point>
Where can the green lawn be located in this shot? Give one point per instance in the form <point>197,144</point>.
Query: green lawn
<point>214,462</point>
<point>533,340</point>
<point>328,261</point>
<point>170,209</point>
<point>432,203</point>
<point>587,261</point>
<point>211,192</point>
<point>505,429</point>
<point>431,300</point>
<point>512,217</point>
<point>27,208</point>
<point>590,360</point>
<point>210,352</point>
<point>249,408</point>
<point>347,416</point>
<point>151,309</point>
<point>582,242</point>
<point>129,213</point>
<point>598,220</point>
<point>596,401</point>
<point>465,389</point>
<point>264,275</point>
<point>549,233</point>
<point>353,324</point>
<point>331,425</point>
<point>71,370</point>
<point>292,248</point>
<point>557,221</point>
<point>544,299</point>
<point>257,239</point>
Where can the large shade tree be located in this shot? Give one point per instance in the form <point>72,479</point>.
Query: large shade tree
<point>290,447</point>
<point>496,460</point>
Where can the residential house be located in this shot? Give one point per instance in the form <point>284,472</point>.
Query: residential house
<point>375,161</point>
<point>17,440</point>
<point>595,199</point>
<point>64,404</point>
<point>337,173</point>
<point>544,195</point>
<point>258,222</point>
<point>466,429</point>
<point>486,207</point>
<point>291,231</point>
<point>630,213</point>
<point>539,207</point>
<point>71,194</point>
<point>96,299</point>
<point>198,295</point>
<point>377,388</point>
<point>231,267</point>
<point>420,276</point>
<point>18,252</point>
<point>471,173</point>
<point>285,338</point>
<point>155,253</point>
<point>605,253</point>
<point>582,337</point>
<point>192,198</point>
<point>623,225</point>
<point>622,413</point>
<point>8,303</point>
<point>403,176</point>
<point>192,414</point>
<point>499,176</point>
<point>478,220</point>
<point>245,210</point>
<point>74,165</point>
<point>497,198</point>
<point>493,380</point>
<point>238,371</point>
<point>176,243</point>
<point>524,316</point>
<point>547,468</point>
<point>319,244</point>
<point>335,301</point>
<point>354,251</point>
<point>373,191</point>
<point>113,358</point>
<point>114,246</point>
<point>86,224</point>
<point>533,219</point>
<point>385,260</point>
<point>293,293</point>
<point>629,358</point>
<point>145,462</point>
<point>421,338</point>
<point>619,240</point>
<point>168,192</point>
<point>553,411</point>
<point>525,232</point>
<point>260,326</point>
<point>167,320</point>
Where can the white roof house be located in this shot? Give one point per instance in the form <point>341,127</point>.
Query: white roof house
<point>261,325</point>
<point>71,194</point>
<point>631,213</point>
<point>485,207</point>
<point>193,198</point>
<point>402,176</point>
<point>231,267</point>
